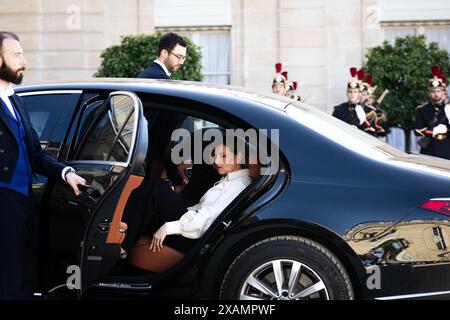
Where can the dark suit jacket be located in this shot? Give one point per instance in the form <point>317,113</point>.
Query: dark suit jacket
<point>40,161</point>
<point>165,120</point>
<point>203,176</point>
<point>343,113</point>
<point>154,71</point>
<point>425,119</point>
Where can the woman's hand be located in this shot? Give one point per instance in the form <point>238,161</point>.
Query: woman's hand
<point>158,238</point>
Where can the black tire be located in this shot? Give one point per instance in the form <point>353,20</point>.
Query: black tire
<point>286,253</point>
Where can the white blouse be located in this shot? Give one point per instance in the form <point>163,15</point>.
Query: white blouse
<point>199,217</point>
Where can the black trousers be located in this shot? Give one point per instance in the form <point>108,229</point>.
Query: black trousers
<point>149,207</point>
<point>17,246</point>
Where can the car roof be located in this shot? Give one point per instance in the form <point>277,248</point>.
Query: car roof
<point>185,89</point>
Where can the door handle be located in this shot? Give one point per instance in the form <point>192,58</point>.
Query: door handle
<point>89,191</point>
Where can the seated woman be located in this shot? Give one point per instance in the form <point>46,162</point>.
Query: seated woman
<point>173,226</point>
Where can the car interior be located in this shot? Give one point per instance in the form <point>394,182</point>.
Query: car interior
<point>190,180</point>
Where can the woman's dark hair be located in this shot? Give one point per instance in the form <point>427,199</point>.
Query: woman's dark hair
<point>169,41</point>
<point>237,144</point>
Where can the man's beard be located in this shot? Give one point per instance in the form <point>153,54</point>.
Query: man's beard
<point>438,101</point>
<point>9,75</point>
<point>172,68</point>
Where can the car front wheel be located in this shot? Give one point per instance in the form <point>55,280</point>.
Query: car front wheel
<point>286,268</point>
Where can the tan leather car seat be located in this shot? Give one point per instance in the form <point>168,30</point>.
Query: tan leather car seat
<point>143,258</point>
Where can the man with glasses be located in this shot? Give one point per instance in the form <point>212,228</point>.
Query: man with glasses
<point>171,56</point>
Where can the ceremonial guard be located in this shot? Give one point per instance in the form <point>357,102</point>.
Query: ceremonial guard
<point>446,98</point>
<point>281,86</point>
<point>279,81</point>
<point>292,91</point>
<point>291,87</point>
<point>432,119</point>
<point>286,86</point>
<point>351,111</point>
<point>374,114</point>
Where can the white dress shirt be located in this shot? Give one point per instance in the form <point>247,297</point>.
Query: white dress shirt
<point>7,92</point>
<point>199,217</point>
<point>164,67</point>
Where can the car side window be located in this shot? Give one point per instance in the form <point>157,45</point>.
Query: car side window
<point>191,124</point>
<point>50,115</point>
<point>111,137</point>
<point>203,124</point>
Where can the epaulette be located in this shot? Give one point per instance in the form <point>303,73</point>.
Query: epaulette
<point>341,105</point>
<point>421,106</point>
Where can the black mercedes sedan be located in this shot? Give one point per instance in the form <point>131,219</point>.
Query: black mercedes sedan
<point>343,216</point>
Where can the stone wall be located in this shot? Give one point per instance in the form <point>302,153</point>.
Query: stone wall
<point>317,42</point>
<point>63,39</point>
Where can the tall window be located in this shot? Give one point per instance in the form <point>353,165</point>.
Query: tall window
<point>434,31</point>
<point>440,35</point>
<point>215,48</point>
<point>214,43</point>
<point>392,33</point>
<point>207,23</point>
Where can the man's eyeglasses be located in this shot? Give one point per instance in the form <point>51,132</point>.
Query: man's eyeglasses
<point>179,56</point>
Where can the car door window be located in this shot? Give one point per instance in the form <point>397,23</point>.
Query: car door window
<point>50,115</point>
<point>111,138</point>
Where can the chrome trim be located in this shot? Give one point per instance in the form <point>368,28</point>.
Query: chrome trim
<point>94,258</point>
<point>72,203</point>
<point>416,295</point>
<point>109,163</point>
<point>121,285</point>
<point>440,199</point>
<point>35,93</point>
<point>137,116</point>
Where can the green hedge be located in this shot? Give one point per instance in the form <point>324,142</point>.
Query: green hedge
<point>135,53</point>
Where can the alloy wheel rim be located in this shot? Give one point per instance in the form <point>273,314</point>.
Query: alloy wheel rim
<point>283,279</point>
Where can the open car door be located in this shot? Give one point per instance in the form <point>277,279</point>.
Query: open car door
<point>110,156</point>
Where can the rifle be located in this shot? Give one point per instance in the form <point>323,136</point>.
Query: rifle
<point>383,95</point>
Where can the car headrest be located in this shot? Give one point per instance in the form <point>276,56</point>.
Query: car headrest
<point>255,170</point>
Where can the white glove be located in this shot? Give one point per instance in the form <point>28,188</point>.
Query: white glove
<point>360,114</point>
<point>447,112</point>
<point>440,129</point>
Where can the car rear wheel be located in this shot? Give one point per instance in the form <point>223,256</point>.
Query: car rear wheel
<point>286,268</point>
